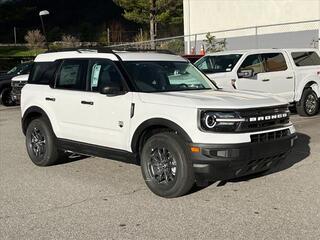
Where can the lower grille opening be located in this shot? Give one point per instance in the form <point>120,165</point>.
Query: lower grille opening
<point>269,136</point>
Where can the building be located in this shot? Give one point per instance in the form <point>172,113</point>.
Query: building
<point>253,23</point>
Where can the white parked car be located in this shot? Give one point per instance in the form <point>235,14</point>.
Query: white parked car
<point>154,109</point>
<point>290,73</point>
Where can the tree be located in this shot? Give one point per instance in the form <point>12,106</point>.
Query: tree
<point>214,45</point>
<point>35,39</point>
<point>70,41</point>
<point>152,12</point>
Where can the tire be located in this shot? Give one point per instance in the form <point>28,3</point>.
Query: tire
<point>41,143</point>
<point>5,98</point>
<point>173,175</point>
<point>308,104</point>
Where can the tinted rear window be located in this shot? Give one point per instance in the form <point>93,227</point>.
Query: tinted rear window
<point>72,75</point>
<point>274,62</point>
<point>42,72</point>
<point>305,58</point>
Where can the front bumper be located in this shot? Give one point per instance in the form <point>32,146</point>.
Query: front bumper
<point>226,161</point>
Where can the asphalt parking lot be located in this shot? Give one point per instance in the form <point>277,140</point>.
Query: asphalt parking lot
<point>95,198</point>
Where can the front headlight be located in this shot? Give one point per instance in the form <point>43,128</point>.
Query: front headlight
<point>220,121</point>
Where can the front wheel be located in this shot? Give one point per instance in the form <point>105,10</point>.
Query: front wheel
<point>309,103</point>
<point>166,167</point>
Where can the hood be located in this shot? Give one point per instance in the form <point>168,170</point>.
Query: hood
<point>20,78</point>
<point>215,99</point>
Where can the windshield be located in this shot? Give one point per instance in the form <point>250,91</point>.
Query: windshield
<point>21,69</point>
<point>166,76</point>
<point>218,63</point>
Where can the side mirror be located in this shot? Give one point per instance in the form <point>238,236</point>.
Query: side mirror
<point>246,73</point>
<point>111,90</point>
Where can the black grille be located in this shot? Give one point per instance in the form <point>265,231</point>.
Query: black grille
<point>17,86</point>
<point>269,136</point>
<point>263,124</point>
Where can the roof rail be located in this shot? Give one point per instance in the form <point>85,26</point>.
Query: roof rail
<point>85,49</point>
<point>144,50</point>
<point>108,50</point>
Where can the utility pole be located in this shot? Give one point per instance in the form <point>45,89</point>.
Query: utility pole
<point>153,11</point>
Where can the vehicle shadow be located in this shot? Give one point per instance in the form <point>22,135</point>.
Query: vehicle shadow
<point>74,157</point>
<point>71,157</point>
<point>300,151</point>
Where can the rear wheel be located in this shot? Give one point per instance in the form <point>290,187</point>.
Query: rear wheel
<point>6,98</point>
<point>41,143</point>
<point>309,103</point>
<point>166,166</point>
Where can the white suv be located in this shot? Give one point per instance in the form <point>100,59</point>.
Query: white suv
<point>152,108</point>
<point>293,74</point>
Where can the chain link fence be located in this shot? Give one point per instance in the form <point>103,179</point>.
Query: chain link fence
<point>304,34</point>
<point>287,35</point>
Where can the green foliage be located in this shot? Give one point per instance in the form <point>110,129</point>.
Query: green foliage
<point>213,45</point>
<point>19,52</point>
<point>167,11</point>
<point>103,38</point>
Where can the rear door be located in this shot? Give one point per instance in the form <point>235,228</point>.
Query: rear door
<point>64,99</point>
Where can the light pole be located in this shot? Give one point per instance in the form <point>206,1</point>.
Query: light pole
<point>43,13</point>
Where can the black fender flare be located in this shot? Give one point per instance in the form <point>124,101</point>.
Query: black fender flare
<point>153,122</point>
<point>31,113</point>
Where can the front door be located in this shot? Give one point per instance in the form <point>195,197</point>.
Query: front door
<point>270,74</point>
<point>107,117</point>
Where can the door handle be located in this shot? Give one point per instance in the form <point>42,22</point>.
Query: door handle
<point>266,80</point>
<point>50,99</point>
<point>290,77</point>
<point>86,102</point>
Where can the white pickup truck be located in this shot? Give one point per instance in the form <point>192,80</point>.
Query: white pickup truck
<point>293,74</point>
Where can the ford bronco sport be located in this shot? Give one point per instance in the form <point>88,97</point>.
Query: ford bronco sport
<point>153,108</point>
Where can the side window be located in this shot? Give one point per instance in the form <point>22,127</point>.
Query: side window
<point>103,73</point>
<point>72,75</point>
<point>305,58</point>
<point>254,63</point>
<point>26,68</point>
<point>205,64</point>
<point>274,62</point>
<point>42,72</point>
